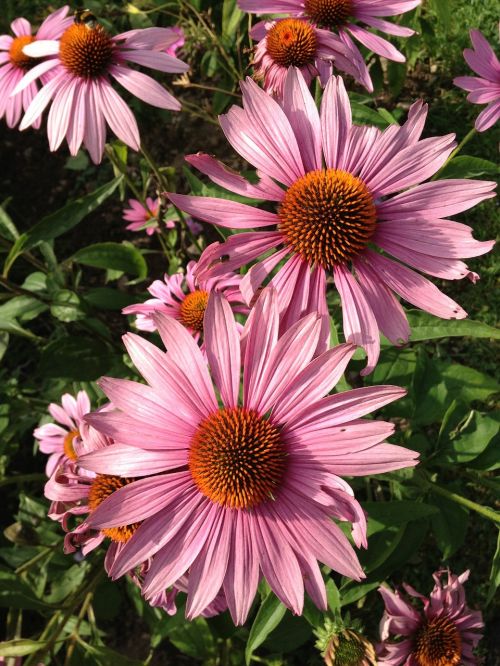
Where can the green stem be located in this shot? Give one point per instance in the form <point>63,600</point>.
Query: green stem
<point>481,480</point>
<point>154,167</point>
<point>46,552</point>
<point>484,511</point>
<point>203,87</point>
<point>462,143</point>
<point>22,478</point>
<point>123,170</point>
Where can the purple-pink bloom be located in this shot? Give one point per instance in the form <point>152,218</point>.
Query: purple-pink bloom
<point>334,188</point>
<point>144,216</point>
<point>185,298</point>
<point>82,64</point>
<point>14,63</point>
<point>485,88</point>
<point>443,633</point>
<point>239,485</point>
<point>342,19</point>
<point>179,42</point>
<point>59,439</point>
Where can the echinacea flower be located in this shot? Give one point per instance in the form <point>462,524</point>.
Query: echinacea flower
<point>343,18</point>
<point>143,216</point>
<point>336,208</point>
<point>82,63</point>
<point>485,88</point>
<point>443,633</point>
<point>347,647</point>
<point>14,63</point>
<point>246,487</point>
<point>183,297</point>
<point>296,42</point>
<point>58,439</point>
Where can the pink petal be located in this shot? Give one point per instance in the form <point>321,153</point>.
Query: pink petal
<point>156,60</point>
<point>117,114</point>
<point>40,101</point>
<point>41,48</point>
<point>488,117</point>
<point>123,460</point>
<point>376,44</point>
<point>94,135</point>
<point>336,122</point>
<point>21,27</point>
<point>145,88</point>
<point>242,575</point>
<point>60,113</point>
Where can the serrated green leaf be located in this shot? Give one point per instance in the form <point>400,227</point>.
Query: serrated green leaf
<point>114,256</point>
<point>268,617</point>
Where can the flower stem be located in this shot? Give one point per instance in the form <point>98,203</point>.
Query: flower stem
<point>22,478</point>
<point>484,511</point>
<point>123,170</point>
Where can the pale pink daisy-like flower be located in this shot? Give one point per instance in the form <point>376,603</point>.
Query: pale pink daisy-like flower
<point>444,633</point>
<point>337,207</point>
<point>297,43</point>
<point>82,63</point>
<point>246,487</point>
<point>14,63</point>
<point>58,439</point>
<point>342,18</point>
<point>485,88</point>
<point>185,298</point>
<point>144,216</point>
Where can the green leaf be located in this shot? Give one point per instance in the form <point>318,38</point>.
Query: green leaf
<point>354,591</point>
<point>443,11</point>
<point>470,438</point>
<point>79,358</point>
<point>194,639</point>
<point>466,166</point>
<point>66,306</point>
<point>268,617</point>
<point>23,308</point>
<point>7,227</point>
<point>105,657</point>
<point>118,257</point>
<point>387,514</point>
<point>60,221</point>
<point>291,633</point>
<point>364,115</point>
<point>449,525</point>
<point>106,298</point>
<point>12,326</point>
<point>20,647</point>
<point>495,573</point>
<point>426,327</point>
<point>231,17</point>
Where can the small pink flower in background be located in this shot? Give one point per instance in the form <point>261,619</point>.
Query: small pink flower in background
<point>297,43</point>
<point>194,227</point>
<point>140,215</point>
<point>239,485</point>
<point>14,63</point>
<point>338,201</point>
<point>82,64</point>
<point>178,43</point>
<point>485,88</point>
<point>59,440</point>
<point>443,633</point>
<point>183,297</point>
<point>341,18</point>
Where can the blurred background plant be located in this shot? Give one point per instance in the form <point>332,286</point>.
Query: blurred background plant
<point>69,267</point>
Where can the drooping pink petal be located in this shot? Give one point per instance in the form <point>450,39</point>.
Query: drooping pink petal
<point>223,212</point>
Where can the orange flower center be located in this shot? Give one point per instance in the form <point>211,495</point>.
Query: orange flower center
<point>16,55</point>
<point>193,309</point>
<point>292,43</point>
<point>68,448</point>
<point>327,216</point>
<point>86,51</point>
<point>102,486</point>
<point>438,643</point>
<point>237,458</point>
<point>329,13</point>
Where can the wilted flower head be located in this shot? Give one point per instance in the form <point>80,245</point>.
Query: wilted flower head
<point>59,440</point>
<point>337,206</point>
<point>185,298</point>
<point>241,486</point>
<point>338,21</point>
<point>82,64</point>
<point>344,646</point>
<point>443,633</point>
<point>485,88</point>
<point>14,63</point>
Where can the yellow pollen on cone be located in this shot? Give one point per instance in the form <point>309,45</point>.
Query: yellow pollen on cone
<point>292,43</point>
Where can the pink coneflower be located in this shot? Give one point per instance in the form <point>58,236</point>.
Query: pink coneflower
<point>144,216</point>
<point>14,63</point>
<point>84,100</point>
<point>443,633</point>
<point>183,297</point>
<point>343,17</point>
<point>485,88</point>
<point>246,487</point>
<point>295,42</point>
<point>336,202</point>
<point>59,440</point>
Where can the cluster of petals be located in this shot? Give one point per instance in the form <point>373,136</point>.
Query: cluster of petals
<point>352,13</point>
<point>485,88</point>
<point>81,65</point>
<point>183,525</point>
<point>444,629</point>
<point>185,298</point>
<point>144,216</point>
<point>291,142</point>
<point>14,63</point>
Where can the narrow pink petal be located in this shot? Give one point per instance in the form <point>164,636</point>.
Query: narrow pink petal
<point>40,101</point>
<point>94,135</point>
<point>222,345</point>
<point>186,354</point>
<point>55,24</point>
<point>331,441</point>
<point>41,48</point>
<point>302,113</point>
<point>21,27</point>
<point>388,27</point>
<point>414,288</point>
<point>488,117</point>
<point>5,42</point>
<point>242,575</point>
<point>123,460</point>
<point>35,73</point>
<point>156,60</point>
<point>76,128</point>
<point>377,460</point>
<point>313,382</point>
<point>145,88</point>
<point>355,57</point>
<point>253,279</point>
<point>117,114</point>
<point>359,323</point>
<point>60,113</point>
<point>376,44</point>
<point>336,122</point>
<point>385,8</point>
